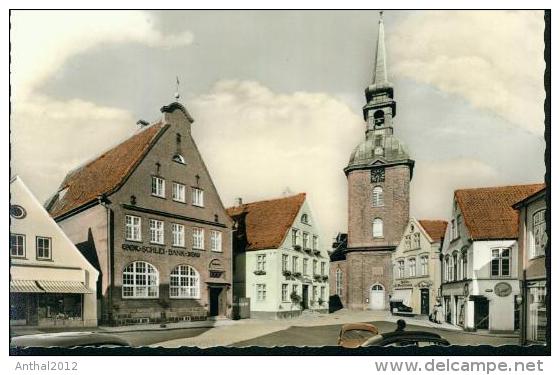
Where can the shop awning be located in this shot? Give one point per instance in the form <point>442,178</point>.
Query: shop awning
<point>402,295</point>
<point>24,286</point>
<point>64,287</point>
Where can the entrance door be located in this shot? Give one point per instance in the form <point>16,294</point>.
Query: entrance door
<point>377,297</point>
<point>215,298</point>
<point>425,301</point>
<point>481,314</point>
<point>304,297</point>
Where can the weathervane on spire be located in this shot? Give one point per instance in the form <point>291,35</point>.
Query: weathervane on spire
<point>177,96</point>
<point>381,16</point>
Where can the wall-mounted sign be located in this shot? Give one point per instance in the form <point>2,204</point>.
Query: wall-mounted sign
<point>159,250</point>
<point>424,284</point>
<point>502,289</point>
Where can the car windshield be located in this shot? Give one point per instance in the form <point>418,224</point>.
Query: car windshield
<point>357,334</point>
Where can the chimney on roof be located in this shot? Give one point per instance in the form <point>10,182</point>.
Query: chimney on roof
<point>141,123</point>
<point>238,201</point>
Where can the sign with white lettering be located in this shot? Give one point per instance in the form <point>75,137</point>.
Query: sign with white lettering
<point>159,250</point>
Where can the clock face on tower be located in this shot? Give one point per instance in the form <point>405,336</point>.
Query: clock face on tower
<point>378,175</point>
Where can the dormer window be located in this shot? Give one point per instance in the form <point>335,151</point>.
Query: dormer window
<point>305,219</point>
<point>178,158</point>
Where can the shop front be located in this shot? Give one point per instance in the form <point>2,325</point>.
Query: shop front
<point>44,303</point>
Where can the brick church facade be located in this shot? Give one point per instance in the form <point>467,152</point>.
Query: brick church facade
<point>378,175</point>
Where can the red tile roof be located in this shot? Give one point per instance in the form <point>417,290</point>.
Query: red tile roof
<point>488,212</point>
<point>434,228</point>
<point>104,174</point>
<point>267,222</point>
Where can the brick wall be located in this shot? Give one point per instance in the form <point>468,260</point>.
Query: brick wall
<point>394,212</point>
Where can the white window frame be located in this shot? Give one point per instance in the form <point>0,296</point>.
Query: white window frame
<point>315,242</point>
<point>315,265</point>
<point>133,228</point>
<point>305,268</point>
<point>295,236</point>
<point>323,268</point>
<point>412,267</point>
<point>338,281</point>
<point>305,239</point>
<point>400,268</point>
<point>47,251</point>
<point>424,268</point>
<point>179,192</point>
<point>377,228</point>
<point>295,266</point>
<point>538,237</point>
<point>138,271</point>
<point>416,240</point>
<point>198,238</point>
<point>158,187</point>
<point>285,258</point>
<point>285,293</point>
<point>157,232</point>
<point>216,241</point>
<point>184,282</point>
<point>498,256</point>
<point>377,196</point>
<point>18,246</point>
<point>197,197</point>
<point>261,292</point>
<point>178,235</point>
<point>261,262</point>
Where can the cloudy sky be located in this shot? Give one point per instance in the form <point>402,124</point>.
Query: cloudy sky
<point>277,96</point>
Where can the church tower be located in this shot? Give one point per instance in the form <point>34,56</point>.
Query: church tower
<point>378,174</point>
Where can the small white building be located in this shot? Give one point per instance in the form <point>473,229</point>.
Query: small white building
<point>416,274</point>
<point>480,259</point>
<point>51,282</point>
<point>278,259</point>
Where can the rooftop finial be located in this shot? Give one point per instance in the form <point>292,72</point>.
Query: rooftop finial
<point>381,16</point>
<point>177,96</point>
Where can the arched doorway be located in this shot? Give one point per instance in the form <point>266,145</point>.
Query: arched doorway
<point>377,297</point>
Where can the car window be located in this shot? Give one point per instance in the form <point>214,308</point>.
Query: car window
<point>402,343</point>
<point>430,343</point>
<point>357,334</point>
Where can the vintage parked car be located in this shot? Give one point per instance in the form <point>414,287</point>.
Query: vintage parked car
<point>406,338</point>
<point>68,340</point>
<point>354,334</point>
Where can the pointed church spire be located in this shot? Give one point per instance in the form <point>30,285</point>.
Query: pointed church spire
<point>379,94</point>
<point>380,70</point>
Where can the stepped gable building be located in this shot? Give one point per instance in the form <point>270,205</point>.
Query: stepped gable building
<point>278,259</point>
<point>417,272</point>
<point>148,215</point>
<point>378,174</point>
<point>480,258</point>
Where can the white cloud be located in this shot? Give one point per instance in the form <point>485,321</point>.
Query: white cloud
<point>42,41</point>
<point>257,142</point>
<point>434,182</point>
<point>51,137</point>
<point>493,59</point>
